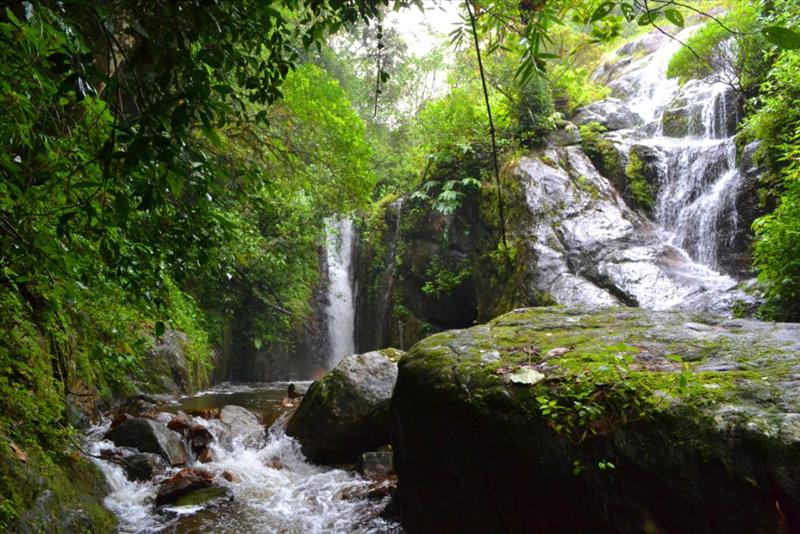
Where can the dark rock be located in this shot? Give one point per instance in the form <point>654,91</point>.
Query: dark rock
<point>376,464</point>
<point>475,454</point>
<point>199,437</point>
<point>143,466</point>
<point>147,435</point>
<point>183,483</point>
<point>347,412</point>
<point>204,455</point>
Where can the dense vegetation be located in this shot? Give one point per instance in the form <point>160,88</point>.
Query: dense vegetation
<point>158,176</point>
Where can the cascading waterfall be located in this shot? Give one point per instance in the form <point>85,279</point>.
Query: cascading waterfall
<point>341,307</point>
<point>593,249</point>
<point>699,176</point>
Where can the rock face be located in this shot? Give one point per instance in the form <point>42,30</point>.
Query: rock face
<point>347,412</point>
<point>611,113</point>
<point>621,420</point>
<point>151,436</point>
<point>166,367</point>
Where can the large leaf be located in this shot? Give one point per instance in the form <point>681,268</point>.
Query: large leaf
<point>675,17</point>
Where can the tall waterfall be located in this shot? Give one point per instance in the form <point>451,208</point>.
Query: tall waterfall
<point>590,247</point>
<point>698,171</point>
<point>341,306</point>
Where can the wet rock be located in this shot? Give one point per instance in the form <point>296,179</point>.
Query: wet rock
<point>147,435</point>
<point>199,437</point>
<point>376,464</point>
<point>143,466</point>
<point>611,113</point>
<point>347,412</point>
<point>206,497</point>
<point>567,134</point>
<point>179,424</point>
<point>205,455</point>
<point>240,424</point>
<point>166,367</point>
<point>183,483</point>
<point>723,451</point>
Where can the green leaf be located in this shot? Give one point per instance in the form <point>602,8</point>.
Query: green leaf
<point>122,207</point>
<point>648,17</point>
<point>782,37</point>
<point>675,17</point>
<point>602,10</point>
<point>628,11</point>
<point>160,328</point>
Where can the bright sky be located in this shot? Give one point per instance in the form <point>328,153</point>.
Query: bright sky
<point>421,30</point>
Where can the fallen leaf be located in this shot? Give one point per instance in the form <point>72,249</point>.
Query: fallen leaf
<point>556,352</point>
<point>526,375</point>
<point>19,452</point>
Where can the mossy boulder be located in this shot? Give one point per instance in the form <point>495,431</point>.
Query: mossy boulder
<point>346,413</point>
<point>618,420</point>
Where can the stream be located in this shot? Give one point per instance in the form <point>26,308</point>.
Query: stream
<point>273,487</point>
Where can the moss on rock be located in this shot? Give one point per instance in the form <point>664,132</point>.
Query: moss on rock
<point>638,414</point>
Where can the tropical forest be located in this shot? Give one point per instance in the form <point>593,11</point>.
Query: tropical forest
<point>399,266</point>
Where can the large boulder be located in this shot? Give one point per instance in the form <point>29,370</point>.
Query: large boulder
<point>347,412</point>
<point>166,367</point>
<point>147,435</point>
<point>620,420</point>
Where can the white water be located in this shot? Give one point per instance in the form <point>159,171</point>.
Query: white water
<point>275,489</point>
<point>341,307</point>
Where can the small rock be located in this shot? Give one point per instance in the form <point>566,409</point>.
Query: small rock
<point>199,437</point>
<point>230,477</point>
<point>179,424</point>
<point>183,483</point>
<point>205,455</point>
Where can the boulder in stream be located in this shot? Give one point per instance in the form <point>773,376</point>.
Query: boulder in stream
<point>616,420</point>
<point>347,412</point>
<point>147,435</point>
<point>143,466</point>
<point>184,482</point>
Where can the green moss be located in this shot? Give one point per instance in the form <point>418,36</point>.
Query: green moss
<point>638,185</point>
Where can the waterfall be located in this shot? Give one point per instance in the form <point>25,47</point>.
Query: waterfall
<point>341,307</point>
<point>590,247</point>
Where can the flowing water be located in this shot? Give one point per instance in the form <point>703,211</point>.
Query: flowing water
<point>274,488</point>
<point>341,307</point>
<point>591,247</point>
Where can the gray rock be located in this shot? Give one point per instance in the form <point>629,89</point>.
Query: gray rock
<point>347,412</point>
<point>151,436</point>
<point>166,367</point>
<point>240,425</point>
<point>611,113</point>
<point>567,134</point>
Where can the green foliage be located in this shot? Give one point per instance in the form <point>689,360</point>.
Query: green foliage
<point>441,281</point>
<point>777,249</point>
<point>637,182</point>
<point>729,50</point>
